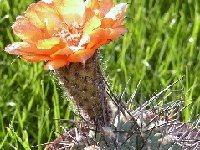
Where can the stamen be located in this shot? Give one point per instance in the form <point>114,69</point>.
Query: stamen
<point>71,34</point>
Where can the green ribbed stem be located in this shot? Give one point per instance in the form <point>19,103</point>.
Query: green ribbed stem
<point>85,84</point>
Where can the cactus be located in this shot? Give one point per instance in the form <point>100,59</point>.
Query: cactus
<point>109,123</point>
<point>67,40</point>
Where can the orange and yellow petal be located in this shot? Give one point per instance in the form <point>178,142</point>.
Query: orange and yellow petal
<point>98,36</point>
<point>44,16</point>
<point>70,10</point>
<point>81,55</point>
<point>117,32</point>
<point>100,6</point>
<point>36,58</point>
<point>92,4</point>
<point>91,9</point>
<point>91,25</point>
<point>18,48</point>
<point>48,43</point>
<point>105,6</point>
<point>89,13</point>
<point>26,30</point>
<point>117,12</point>
<point>24,48</point>
<point>56,64</point>
<point>110,23</point>
<point>61,53</point>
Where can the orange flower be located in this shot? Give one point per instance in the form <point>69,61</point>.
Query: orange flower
<point>64,31</point>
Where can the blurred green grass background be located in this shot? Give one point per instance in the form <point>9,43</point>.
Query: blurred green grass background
<point>162,45</point>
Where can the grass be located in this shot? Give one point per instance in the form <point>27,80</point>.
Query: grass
<point>162,45</point>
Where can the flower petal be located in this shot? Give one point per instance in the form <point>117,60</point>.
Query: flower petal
<point>48,43</point>
<point>81,55</point>
<point>92,4</point>
<point>91,25</point>
<point>97,37</point>
<point>117,32</point>
<point>89,13</point>
<point>90,7</point>
<point>18,48</point>
<point>36,58</point>
<point>103,6</point>
<point>117,12</point>
<point>61,53</point>
<point>70,10</point>
<point>26,30</point>
<point>43,15</point>
<point>24,48</point>
<point>55,64</point>
<point>110,23</point>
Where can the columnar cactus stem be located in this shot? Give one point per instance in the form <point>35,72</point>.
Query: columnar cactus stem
<point>85,84</point>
